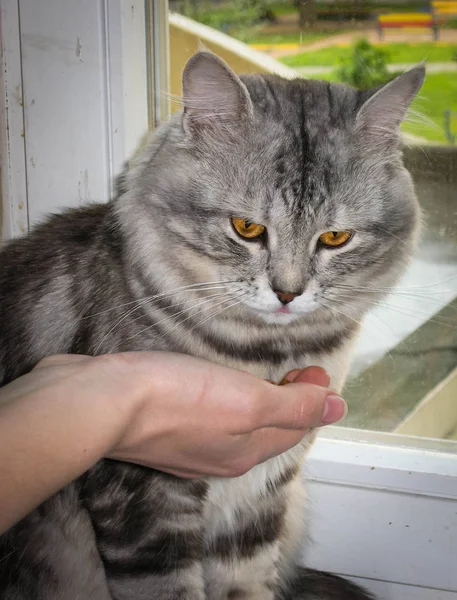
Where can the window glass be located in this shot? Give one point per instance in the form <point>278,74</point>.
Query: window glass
<point>403,376</point>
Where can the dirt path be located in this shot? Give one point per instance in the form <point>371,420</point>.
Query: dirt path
<point>444,67</point>
<point>447,36</point>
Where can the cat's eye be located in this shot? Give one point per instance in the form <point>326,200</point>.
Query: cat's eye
<point>247,229</point>
<point>335,238</point>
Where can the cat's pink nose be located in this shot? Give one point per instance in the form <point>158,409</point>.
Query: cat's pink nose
<point>285,297</point>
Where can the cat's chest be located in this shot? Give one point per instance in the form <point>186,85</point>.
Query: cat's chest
<point>335,362</point>
<point>228,500</point>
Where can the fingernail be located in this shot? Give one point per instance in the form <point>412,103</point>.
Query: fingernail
<point>335,409</point>
<point>284,381</point>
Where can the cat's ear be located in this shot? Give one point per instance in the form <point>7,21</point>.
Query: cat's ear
<point>214,97</point>
<point>380,116</point>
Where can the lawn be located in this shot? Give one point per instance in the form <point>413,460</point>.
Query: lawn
<point>286,38</point>
<point>397,53</point>
<point>438,93</point>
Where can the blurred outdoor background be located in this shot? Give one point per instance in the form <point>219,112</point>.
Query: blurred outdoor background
<point>360,42</point>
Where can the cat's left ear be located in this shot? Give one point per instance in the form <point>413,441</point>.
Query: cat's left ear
<point>214,97</point>
<point>380,116</point>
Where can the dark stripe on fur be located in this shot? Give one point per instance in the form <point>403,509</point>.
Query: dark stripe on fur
<point>284,478</point>
<point>165,553</point>
<point>131,524</point>
<point>260,352</point>
<point>245,542</point>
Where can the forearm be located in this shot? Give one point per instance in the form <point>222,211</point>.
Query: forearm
<point>48,437</point>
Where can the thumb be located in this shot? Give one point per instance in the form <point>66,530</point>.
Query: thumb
<point>301,406</point>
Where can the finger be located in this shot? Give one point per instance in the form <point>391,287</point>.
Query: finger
<point>315,375</point>
<point>61,359</point>
<point>300,406</point>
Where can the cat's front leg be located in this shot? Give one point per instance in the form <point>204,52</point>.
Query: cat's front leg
<point>149,529</point>
<point>245,518</point>
<point>253,577</point>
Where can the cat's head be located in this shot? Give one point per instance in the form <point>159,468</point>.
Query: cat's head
<point>293,190</point>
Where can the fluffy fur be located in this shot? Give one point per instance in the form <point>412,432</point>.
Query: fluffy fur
<point>161,267</point>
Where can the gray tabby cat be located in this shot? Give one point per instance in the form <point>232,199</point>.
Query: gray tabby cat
<point>241,236</point>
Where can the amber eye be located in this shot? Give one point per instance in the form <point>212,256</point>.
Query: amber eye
<point>247,229</point>
<point>335,238</point>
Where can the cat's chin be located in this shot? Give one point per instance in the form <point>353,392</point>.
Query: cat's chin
<point>277,318</point>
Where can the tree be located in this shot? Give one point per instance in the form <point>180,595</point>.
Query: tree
<point>307,12</point>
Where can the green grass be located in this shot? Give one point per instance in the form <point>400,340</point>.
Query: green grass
<point>283,8</point>
<point>287,7</point>
<point>450,24</point>
<point>397,53</point>
<point>438,93</point>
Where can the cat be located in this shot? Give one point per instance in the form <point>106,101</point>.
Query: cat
<point>241,235</point>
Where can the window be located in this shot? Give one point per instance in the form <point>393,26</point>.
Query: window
<point>402,376</point>
<point>85,80</point>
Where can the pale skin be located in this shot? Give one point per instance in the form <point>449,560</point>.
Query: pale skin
<point>171,412</point>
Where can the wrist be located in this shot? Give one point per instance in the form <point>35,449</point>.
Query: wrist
<point>137,386</point>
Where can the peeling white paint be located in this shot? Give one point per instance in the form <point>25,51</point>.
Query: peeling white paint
<point>12,142</point>
<point>79,49</point>
<point>80,91</point>
<point>83,187</point>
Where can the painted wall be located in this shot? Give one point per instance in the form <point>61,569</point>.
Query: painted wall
<point>188,36</point>
<point>81,100</point>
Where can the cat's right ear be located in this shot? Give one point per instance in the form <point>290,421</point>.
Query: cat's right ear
<point>214,97</point>
<point>380,117</point>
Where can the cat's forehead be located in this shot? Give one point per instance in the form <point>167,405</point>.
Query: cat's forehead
<point>314,108</point>
<point>299,150</point>
<point>302,127</point>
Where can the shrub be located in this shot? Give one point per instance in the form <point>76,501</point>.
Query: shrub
<point>366,67</point>
<point>239,18</point>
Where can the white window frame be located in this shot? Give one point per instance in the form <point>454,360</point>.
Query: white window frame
<point>383,511</point>
<point>99,54</point>
<point>383,508</point>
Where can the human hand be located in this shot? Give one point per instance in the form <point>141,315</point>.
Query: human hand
<point>176,413</point>
<point>188,416</point>
<point>196,418</point>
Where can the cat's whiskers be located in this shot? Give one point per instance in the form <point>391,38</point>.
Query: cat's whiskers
<point>396,237</point>
<point>240,295</point>
<point>208,298</point>
<point>449,324</point>
<point>221,311</point>
<point>363,325</point>
<point>396,308</point>
<point>331,307</point>
<point>391,332</point>
<point>399,295</point>
<point>202,311</point>
<point>176,314</point>
<point>190,287</point>
<point>341,312</point>
<point>146,300</point>
<point>397,291</point>
<point>426,285</point>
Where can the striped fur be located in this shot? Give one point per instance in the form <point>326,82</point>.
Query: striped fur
<point>161,268</point>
